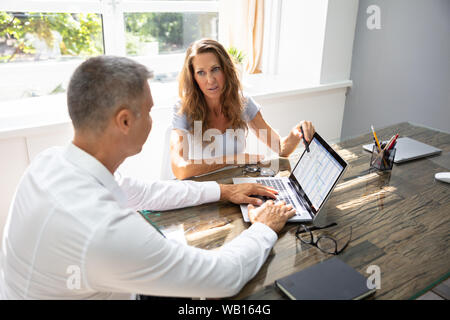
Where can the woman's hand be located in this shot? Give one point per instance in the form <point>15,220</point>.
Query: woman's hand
<point>291,142</point>
<point>308,130</point>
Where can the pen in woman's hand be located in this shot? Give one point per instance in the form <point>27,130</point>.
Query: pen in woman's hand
<point>304,140</point>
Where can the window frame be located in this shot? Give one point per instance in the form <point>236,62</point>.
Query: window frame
<point>112,13</point>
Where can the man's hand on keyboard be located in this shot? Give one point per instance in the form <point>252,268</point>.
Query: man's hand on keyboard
<point>274,215</point>
<point>241,193</point>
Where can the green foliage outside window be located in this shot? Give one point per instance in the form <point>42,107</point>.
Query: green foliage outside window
<point>166,28</point>
<point>74,34</point>
<point>81,34</point>
<point>34,36</point>
<point>172,31</point>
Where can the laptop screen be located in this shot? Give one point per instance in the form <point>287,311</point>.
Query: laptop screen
<point>318,171</point>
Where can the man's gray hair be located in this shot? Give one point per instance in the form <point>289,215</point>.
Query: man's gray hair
<point>100,86</point>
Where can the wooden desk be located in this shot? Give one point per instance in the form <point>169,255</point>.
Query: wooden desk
<point>400,221</point>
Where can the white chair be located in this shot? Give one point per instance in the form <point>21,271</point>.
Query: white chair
<point>166,168</point>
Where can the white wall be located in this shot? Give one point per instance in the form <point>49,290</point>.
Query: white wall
<point>401,72</point>
<point>302,32</point>
<point>325,109</point>
<point>316,39</point>
<point>338,40</point>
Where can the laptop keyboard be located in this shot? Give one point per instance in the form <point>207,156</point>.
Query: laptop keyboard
<point>283,193</point>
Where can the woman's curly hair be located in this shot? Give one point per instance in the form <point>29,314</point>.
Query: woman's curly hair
<point>193,103</point>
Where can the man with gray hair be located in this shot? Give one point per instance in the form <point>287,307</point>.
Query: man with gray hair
<point>73,232</point>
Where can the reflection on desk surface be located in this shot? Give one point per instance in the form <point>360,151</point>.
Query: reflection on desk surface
<point>400,221</point>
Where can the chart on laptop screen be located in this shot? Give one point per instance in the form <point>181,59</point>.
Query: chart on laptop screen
<point>317,172</point>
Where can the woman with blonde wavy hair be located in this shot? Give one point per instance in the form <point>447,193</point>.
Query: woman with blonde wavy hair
<point>211,120</point>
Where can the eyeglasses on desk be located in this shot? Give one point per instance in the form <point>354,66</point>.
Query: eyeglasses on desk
<point>324,243</point>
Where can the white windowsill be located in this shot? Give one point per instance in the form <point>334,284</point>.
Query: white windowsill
<point>264,86</point>
<point>35,115</point>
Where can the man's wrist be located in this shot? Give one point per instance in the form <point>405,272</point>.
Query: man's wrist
<point>263,228</point>
<point>225,191</point>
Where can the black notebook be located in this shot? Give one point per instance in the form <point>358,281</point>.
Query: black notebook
<point>332,279</point>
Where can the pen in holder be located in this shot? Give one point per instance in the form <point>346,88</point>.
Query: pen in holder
<point>383,160</point>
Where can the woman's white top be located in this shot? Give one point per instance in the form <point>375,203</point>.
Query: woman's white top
<point>212,143</point>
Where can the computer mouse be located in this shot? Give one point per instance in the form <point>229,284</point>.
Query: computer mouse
<point>443,176</point>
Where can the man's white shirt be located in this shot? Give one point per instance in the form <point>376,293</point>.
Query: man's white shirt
<point>73,232</point>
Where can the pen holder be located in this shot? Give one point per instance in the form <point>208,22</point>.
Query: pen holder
<point>383,161</point>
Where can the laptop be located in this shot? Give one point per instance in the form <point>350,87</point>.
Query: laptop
<point>310,184</point>
<point>409,149</point>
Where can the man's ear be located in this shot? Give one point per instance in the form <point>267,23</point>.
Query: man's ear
<point>123,119</point>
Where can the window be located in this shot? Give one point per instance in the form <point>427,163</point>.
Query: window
<point>166,32</point>
<point>42,42</point>
<point>36,36</point>
<point>40,50</point>
<point>160,39</point>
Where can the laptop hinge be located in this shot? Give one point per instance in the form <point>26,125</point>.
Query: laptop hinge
<point>300,191</point>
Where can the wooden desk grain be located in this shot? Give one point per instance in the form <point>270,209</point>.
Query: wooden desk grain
<point>400,221</point>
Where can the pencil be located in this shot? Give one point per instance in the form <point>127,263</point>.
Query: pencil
<point>376,139</point>
<point>378,146</point>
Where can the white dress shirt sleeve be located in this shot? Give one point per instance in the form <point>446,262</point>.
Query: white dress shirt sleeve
<point>128,255</point>
<point>167,195</point>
